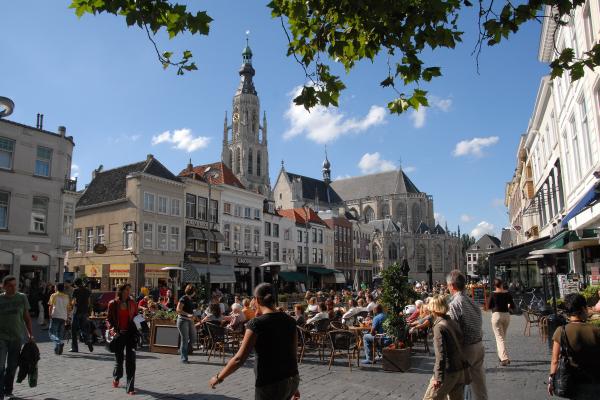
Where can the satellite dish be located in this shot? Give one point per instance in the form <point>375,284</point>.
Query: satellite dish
<point>6,106</point>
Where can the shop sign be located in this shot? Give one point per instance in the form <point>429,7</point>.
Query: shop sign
<point>197,223</point>
<point>242,261</point>
<point>35,258</point>
<point>119,271</point>
<point>93,271</point>
<point>155,270</point>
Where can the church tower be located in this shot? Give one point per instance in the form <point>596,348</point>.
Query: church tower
<point>245,150</point>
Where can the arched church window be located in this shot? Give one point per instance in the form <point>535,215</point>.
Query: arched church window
<point>401,215</point>
<point>393,252</point>
<point>421,258</point>
<point>258,163</point>
<point>250,162</point>
<point>437,259</point>
<point>369,214</point>
<point>230,159</point>
<point>415,216</point>
<point>238,161</point>
<point>385,210</point>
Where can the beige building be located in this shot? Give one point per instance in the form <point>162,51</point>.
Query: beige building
<point>37,202</point>
<point>129,225</point>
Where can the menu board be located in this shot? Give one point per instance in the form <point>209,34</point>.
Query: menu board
<point>478,294</point>
<point>567,284</point>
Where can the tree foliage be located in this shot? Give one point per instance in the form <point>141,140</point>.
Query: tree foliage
<point>325,32</point>
<point>397,293</point>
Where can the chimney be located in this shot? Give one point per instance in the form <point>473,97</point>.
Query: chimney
<point>62,131</point>
<point>41,122</point>
<point>37,121</point>
<point>96,171</point>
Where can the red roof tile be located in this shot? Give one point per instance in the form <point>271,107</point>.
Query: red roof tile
<point>299,215</point>
<point>224,176</point>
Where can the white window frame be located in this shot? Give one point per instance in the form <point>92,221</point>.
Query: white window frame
<point>257,214</point>
<point>247,212</point>
<point>227,236</point>
<point>256,240</point>
<point>237,233</point>
<point>176,207</point>
<point>174,238</point>
<point>39,217</point>
<point>162,237</point>
<point>77,244</point>
<point>149,197</point>
<point>202,208</point>
<point>10,151</point>
<point>128,238</point>
<point>100,235</point>
<point>247,238</point>
<point>227,208</point>
<point>42,160</point>
<point>148,235</point>
<point>584,118</point>
<point>6,206</point>
<point>90,237</point>
<point>165,202</point>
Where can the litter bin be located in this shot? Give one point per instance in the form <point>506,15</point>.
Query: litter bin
<point>554,321</point>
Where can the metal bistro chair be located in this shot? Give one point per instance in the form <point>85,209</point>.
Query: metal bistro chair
<point>342,341</point>
<point>319,336</point>
<point>530,320</point>
<point>203,339</point>
<point>302,338</point>
<point>218,339</point>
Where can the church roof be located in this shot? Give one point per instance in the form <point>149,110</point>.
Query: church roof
<point>422,228</point>
<point>383,183</point>
<point>313,188</point>
<point>110,185</point>
<point>224,176</point>
<point>438,230</point>
<point>385,225</point>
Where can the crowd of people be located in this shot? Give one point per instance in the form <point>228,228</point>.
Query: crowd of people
<point>446,312</point>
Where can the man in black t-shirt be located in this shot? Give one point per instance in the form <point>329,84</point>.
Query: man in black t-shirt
<point>80,324</point>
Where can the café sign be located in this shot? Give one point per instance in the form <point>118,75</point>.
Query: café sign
<point>200,224</point>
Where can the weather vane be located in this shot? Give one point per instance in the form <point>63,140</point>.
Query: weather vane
<point>247,34</point>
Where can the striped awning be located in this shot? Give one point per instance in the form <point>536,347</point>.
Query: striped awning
<point>204,234</point>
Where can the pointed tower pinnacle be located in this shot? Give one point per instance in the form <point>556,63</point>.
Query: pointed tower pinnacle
<point>264,128</point>
<point>326,169</point>
<point>225,130</point>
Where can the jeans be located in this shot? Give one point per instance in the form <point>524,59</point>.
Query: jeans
<point>56,331</point>
<point>80,326</point>
<point>9,359</point>
<point>187,332</point>
<point>281,390</point>
<point>369,341</point>
<point>125,351</point>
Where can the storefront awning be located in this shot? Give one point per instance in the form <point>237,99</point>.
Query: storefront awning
<point>517,252</point>
<point>320,271</point>
<point>193,273</point>
<point>590,197</point>
<point>204,234</point>
<point>339,277</point>
<point>571,241</point>
<point>216,273</point>
<point>292,276</point>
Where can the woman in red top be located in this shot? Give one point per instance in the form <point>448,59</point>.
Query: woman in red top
<point>121,312</point>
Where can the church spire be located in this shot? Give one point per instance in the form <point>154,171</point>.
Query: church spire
<point>246,71</point>
<point>326,169</point>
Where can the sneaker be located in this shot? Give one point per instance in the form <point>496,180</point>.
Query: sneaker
<point>131,393</point>
<point>90,347</point>
<point>73,351</point>
<point>115,383</point>
<point>61,348</point>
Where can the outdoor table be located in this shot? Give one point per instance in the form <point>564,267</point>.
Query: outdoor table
<point>358,331</point>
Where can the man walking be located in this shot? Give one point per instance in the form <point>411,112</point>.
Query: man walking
<point>468,315</point>
<point>14,314</point>
<point>59,309</point>
<point>80,323</point>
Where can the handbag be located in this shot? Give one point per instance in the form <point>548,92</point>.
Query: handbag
<point>564,376</point>
<point>111,339</point>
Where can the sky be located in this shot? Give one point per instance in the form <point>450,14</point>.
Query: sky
<point>103,82</point>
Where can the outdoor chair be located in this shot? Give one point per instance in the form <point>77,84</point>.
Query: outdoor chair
<point>218,339</point>
<point>421,336</point>
<point>203,339</point>
<point>342,341</point>
<point>543,327</point>
<point>319,336</point>
<point>530,320</point>
<point>302,338</point>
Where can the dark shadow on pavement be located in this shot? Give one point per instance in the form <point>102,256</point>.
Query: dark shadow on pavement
<point>195,396</point>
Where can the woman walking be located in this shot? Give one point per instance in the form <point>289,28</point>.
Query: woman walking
<point>121,312</point>
<point>499,303</point>
<point>185,323</point>
<point>448,380</point>
<point>273,336</point>
<point>583,344</point>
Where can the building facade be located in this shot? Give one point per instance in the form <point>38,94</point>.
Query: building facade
<point>136,213</point>
<point>37,202</point>
<point>479,251</point>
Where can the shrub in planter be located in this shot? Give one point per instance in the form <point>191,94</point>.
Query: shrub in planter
<point>591,294</point>
<point>397,293</point>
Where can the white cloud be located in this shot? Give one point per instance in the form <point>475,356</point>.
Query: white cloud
<point>342,177</point>
<point>74,171</point>
<point>439,218</point>
<point>474,146</point>
<point>181,139</point>
<point>409,169</point>
<point>466,218</point>
<point>372,162</point>
<point>124,138</point>
<point>482,228</point>
<point>324,125</point>
<point>418,117</point>
<point>441,104</point>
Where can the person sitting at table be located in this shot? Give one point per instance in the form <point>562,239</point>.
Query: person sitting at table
<point>143,303</point>
<point>415,315</point>
<point>247,309</point>
<point>312,305</point>
<point>337,301</point>
<point>376,331</point>
<point>236,319</point>
<point>370,303</point>
<point>422,324</point>
<point>299,314</point>
<point>213,315</point>
<point>354,308</point>
<point>322,314</point>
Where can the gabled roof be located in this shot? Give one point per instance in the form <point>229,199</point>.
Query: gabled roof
<point>298,215</point>
<point>224,175</point>
<point>438,230</point>
<point>484,241</point>
<point>110,185</point>
<point>422,228</point>
<point>384,225</point>
<point>313,188</point>
<point>380,184</point>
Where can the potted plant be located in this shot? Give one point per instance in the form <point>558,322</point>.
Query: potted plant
<point>164,317</point>
<point>396,294</point>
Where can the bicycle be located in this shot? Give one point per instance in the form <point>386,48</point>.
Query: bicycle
<point>535,303</point>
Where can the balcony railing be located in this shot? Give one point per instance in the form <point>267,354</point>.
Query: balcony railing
<point>70,185</point>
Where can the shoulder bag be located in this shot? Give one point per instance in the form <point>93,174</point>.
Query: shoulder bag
<point>564,376</point>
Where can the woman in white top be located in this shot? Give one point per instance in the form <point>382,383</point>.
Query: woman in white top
<point>322,314</point>
<point>312,305</point>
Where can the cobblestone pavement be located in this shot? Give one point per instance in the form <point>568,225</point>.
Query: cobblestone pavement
<point>159,376</point>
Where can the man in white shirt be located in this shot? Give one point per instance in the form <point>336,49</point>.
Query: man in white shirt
<point>59,312</point>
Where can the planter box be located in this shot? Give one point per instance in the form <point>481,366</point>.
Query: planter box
<point>164,336</point>
<point>396,360</point>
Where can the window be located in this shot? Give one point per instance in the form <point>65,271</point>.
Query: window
<point>275,251</point>
<point>148,235</point>
<point>78,240</point>
<point>320,256</point>
<point>174,238</point>
<point>214,211</point>
<point>305,256</point>
<point>267,251</point>
<point>4,198</point>
<point>257,214</point>
<point>161,237</point>
<point>247,238</point>
<point>128,235</point>
<point>236,237</point>
<point>314,235</point>
<point>89,240</point>
<point>276,230</point>
<point>237,212</point>
<point>43,161</point>
<point>100,234</point>
<point>284,256</point>
<point>148,202</point>
<point>320,235</point>
<point>250,162</point>
<point>162,205</point>
<point>247,212</point>
<point>267,229</point>
<point>256,240</point>
<point>567,157</point>
<point>68,218</point>
<point>299,236</point>
<point>202,204</point>
<point>575,143</point>
<point>227,236</point>
<point>7,151</point>
<point>175,207</point>
<point>585,133</point>
<point>300,255</point>
<point>190,206</point>
<point>574,39</point>
<point>286,234</point>
<point>39,214</point>
<point>588,27</point>
<point>258,164</point>
<point>227,208</point>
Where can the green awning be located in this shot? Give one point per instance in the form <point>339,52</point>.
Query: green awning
<point>559,241</point>
<point>570,239</point>
<point>292,276</point>
<point>320,271</point>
